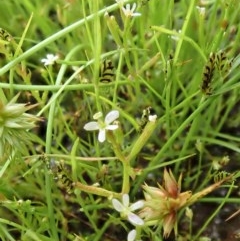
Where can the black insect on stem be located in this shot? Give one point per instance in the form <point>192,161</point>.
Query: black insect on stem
<point>208,75</point>
<point>223,63</point>
<point>145,117</point>
<point>106,72</point>
<point>106,76</point>
<point>64,179</point>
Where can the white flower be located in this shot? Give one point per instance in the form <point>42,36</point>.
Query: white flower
<point>201,10</point>
<point>152,118</point>
<point>132,235</point>
<point>50,60</point>
<point>177,36</point>
<point>129,12</point>
<point>127,211</point>
<point>103,126</point>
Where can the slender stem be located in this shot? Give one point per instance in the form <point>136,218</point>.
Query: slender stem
<point>123,159</point>
<point>96,190</point>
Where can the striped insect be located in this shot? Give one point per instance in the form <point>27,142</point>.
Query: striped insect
<point>106,73</point>
<point>57,169</point>
<point>8,46</point>
<point>106,76</point>
<point>6,41</point>
<point>149,111</point>
<point>223,63</point>
<point>64,178</point>
<point>4,35</point>
<point>208,75</point>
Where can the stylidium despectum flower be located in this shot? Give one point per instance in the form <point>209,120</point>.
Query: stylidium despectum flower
<point>132,235</point>
<point>101,125</point>
<point>126,210</point>
<point>50,59</point>
<point>129,12</point>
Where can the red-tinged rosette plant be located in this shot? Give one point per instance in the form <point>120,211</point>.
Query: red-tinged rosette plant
<point>162,203</point>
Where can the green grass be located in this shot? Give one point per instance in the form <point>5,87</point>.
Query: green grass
<point>159,60</point>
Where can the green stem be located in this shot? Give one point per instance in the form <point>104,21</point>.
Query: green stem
<point>183,32</point>
<point>96,190</point>
<point>142,139</point>
<point>49,135</point>
<point>214,214</point>
<point>123,159</point>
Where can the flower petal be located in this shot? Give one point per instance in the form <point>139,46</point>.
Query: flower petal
<point>135,219</point>
<point>168,224</point>
<point>91,126</point>
<point>133,7</point>
<point>152,118</point>
<point>111,116</point>
<point>137,205</point>
<point>101,135</point>
<point>125,200</point>
<point>117,205</point>
<point>111,127</point>
<point>132,235</point>
<point>136,14</point>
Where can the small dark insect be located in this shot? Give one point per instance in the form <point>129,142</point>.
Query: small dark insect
<point>57,169</point>
<point>223,64</point>
<point>5,35</point>
<point>145,117</point>
<point>106,72</point>
<point>64,179</point>
<point>7,44</point>
<point>208,75</point>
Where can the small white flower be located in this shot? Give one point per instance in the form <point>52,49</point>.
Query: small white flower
<point>103,126</point>
<point>127,211</point>
<point>177,36</point>
<point>201,10</point>
<point>152,118</point>
<point>50,60</point>
<point>132,235</point>
<point>129,12</point>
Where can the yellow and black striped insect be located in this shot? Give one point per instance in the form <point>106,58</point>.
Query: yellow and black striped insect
<point>223,63</point>
<point>208,75</point>
<point>64,178</point>
<point>4,35</point>
<point>145,118</point>
<point>8,46</point>
<point>106,74</point>
<point>217,61</point>
<point>57,169</point>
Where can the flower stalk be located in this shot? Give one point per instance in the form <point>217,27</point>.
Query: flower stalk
<point>96,190</point>
<point>125,162</point>
<point>142,139</point>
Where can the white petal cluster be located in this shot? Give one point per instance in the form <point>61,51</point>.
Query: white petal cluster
<point>127,210</point>
<point>103,126</point>
<point>50,59</point>
<point>128,11</point>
